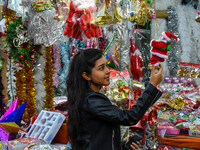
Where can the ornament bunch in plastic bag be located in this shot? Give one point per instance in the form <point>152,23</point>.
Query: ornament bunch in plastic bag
<point>80,15</point>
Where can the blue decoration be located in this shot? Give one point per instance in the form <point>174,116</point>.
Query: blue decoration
<point>16,115</point>
<point>65,61</point>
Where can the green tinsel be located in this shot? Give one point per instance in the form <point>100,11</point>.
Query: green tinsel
<point>25,53</point>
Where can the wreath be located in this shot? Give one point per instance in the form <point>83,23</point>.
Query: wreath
<point>20,49</point>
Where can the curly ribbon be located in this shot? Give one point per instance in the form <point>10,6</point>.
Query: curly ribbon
<point>26,91</point>
<point>48,79</point>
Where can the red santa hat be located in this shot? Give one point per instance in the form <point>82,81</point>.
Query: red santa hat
<point>166,37</point>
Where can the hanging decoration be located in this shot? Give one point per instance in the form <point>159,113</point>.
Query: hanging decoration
<point>38,81</point>
<point>8,14</point>
<point>15,5</point>
<point>26,91</point>
<point>30,92</point>
<point>142,12</point>
<point>79,19</point>
<point>48,80</point>
<point>43,28</point>
<point>2,26</point>
<point>65,62</point>
<point>41,5</point>
<point>172,61</point>
<point>104,16</point>
<point>11,84</point>
<point>62,9</point>
<point>136,62</point>
<point>17,40</point>
<point>56,64</point>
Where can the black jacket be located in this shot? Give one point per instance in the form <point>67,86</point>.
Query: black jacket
<point>99,119</point>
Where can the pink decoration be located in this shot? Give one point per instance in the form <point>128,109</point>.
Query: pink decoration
<point>56,64</point>
<point>11,108</point>
<point>14,116</point>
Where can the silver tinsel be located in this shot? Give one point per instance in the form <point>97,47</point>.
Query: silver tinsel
<point>44,28</point>
<point>173,59</point>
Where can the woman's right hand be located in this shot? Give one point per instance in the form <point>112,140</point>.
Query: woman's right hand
<point>135,146</point>
<point>156,76</point>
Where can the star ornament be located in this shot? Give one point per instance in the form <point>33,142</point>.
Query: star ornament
<point>10,123</point>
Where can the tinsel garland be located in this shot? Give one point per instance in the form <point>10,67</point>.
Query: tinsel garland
<point>189,34</point>
<point>11,84</point>
<point>56,64</point>
<point>39,84</point>
<point>30,92</point>
<point>19,47</point>
<point>65,61</point>
<point>8,14</point>
<point>48,80</point>
<point>26,91</point>
<point>173,60</point>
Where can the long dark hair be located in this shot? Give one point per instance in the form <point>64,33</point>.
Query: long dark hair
<point>77,87</point>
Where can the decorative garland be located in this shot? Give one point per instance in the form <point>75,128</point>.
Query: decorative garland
<point>17,39</point>
<point>48,79</point>
<point>65,61</point>
<point>39,84</point>
<point>56,64</point>
<point>26,91</point>
<point>11,88</point>
<point>173,60</point>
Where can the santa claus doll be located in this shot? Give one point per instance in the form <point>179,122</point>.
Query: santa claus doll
<point>161,47</point>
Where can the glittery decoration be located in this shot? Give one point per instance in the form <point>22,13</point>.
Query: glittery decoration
<point>8,14</point>
<point>17,40</point>
<point>38,81</point>
<point>44,29</point>
<point>173,59</point>
<point>30,92</point>
<point>10,109</point>
<point>48,80</point>
<point>26,91</point>
<point>11,88</point>
<point>15,5</point>
<point>48,147</point>
<point>65,62</point>
<point>11,123</point>
<point>142,12</point>
<point>56,64</point>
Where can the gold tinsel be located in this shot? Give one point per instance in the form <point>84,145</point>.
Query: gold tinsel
<point>26,91</point>
<point>48,80</point>
<point>9,14</point>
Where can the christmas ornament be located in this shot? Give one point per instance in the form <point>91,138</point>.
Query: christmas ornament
<point>160,48</point>
<point>19,48</point>
<point>10,123</point>
<point>136,61</point>
<point>79,21</point>
<point>142,12</point>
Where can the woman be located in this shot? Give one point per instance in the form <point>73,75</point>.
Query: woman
<point>93,122</point>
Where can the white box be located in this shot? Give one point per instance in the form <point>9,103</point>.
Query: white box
<point>46,125</point>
